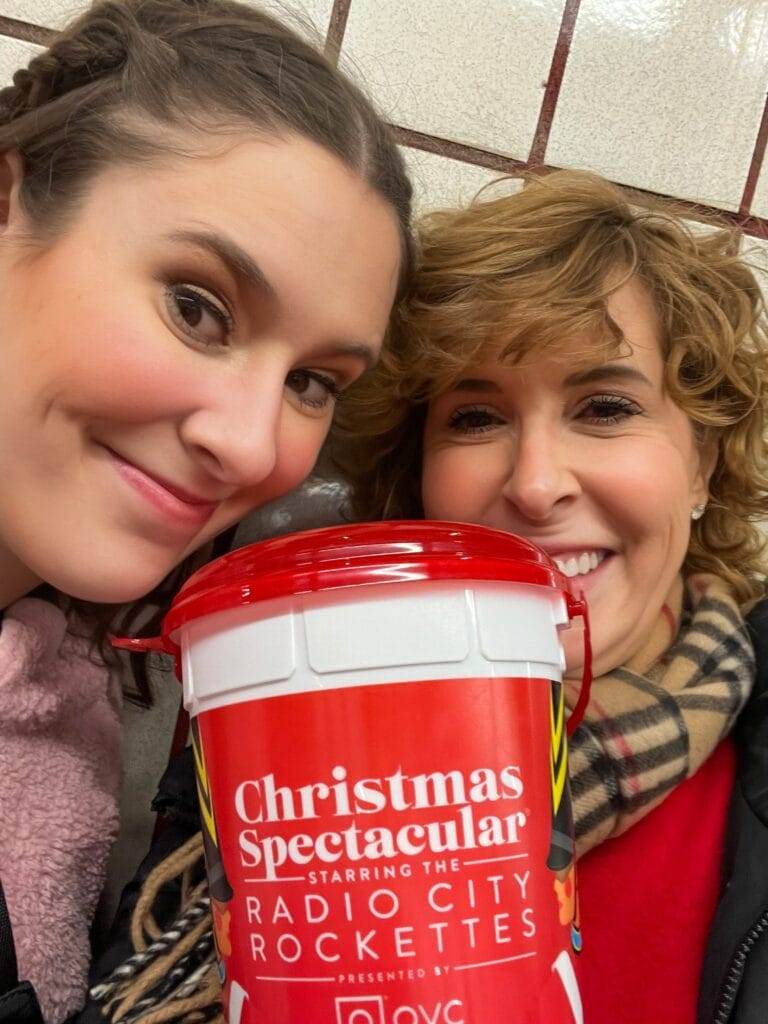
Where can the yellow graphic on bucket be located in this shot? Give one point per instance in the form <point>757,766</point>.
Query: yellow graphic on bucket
<point>203,788</point>
<point>219,888</point>
<point>558,746</point>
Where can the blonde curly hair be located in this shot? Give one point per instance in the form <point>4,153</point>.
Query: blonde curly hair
<point>533,270</point>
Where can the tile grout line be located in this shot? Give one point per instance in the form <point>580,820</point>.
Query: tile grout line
<point>337,26</point>
<point>457,151</point>
<point>554,81</point>
<point>756,227</point>
<point>15,29</point>
<point>756,163</point>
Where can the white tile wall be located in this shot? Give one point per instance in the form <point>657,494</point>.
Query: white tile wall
<point>14,54</point>
<point>441,182</point>
<point>468,70</point>
<point>665,94</point>
<point>52,13</point>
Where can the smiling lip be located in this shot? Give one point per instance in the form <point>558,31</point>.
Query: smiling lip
<point>174,502</point>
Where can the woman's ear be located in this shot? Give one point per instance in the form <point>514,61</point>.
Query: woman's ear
<point>11,177</point>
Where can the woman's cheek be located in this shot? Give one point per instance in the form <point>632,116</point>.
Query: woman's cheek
<point>650,484</point>
<point>300,438</point>
<point>433,484</point>
<point>154,380</point>
<point>455,485</point>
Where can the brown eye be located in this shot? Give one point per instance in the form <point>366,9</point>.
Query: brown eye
<point>474,419</point>
<point>608,410</point>
<point>199,315</point>
<point>312,389</point>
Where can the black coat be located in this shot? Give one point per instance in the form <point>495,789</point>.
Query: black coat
<point>734,987</point>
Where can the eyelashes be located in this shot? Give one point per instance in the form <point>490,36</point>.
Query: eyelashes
<point>313,388</point>
<point>474,419</point>
<point>598,410</point>
<point>203,318</point>
<point>609,409</point>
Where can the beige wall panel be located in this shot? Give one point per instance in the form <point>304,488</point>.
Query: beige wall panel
<point>14,53</point>
<point>468,70</point>
<point>665,94</point>
<point>440,182</point>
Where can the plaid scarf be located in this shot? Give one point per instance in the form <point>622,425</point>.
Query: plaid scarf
<point>651,723</point>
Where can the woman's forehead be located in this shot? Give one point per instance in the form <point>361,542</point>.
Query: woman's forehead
<point>575,363</point>
<point>625,327</point>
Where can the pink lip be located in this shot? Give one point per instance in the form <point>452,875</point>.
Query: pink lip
<point>165,497</point>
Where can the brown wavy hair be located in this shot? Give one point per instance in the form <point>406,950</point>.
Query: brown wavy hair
<point>133,80</point>
<point>533,270</point>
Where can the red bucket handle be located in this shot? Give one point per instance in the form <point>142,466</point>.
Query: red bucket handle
<point>140,644</point>
<point>148,644</point>
<point>577,607</point>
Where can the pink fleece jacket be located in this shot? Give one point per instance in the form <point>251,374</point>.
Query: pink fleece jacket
<point>59,781</point>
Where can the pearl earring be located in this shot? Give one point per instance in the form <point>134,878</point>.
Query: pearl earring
<point>698,511</point>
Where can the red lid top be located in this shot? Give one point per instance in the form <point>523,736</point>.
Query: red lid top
<point>357,555</point>
<point>360,555</point>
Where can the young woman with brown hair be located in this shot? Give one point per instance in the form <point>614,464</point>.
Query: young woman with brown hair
<point>203,226</point>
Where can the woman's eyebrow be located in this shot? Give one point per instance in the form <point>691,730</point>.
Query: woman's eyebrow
<point>244,267</point>
<point>352,349</point>
<point>608,371</point>
<point>476,384</point>
<point>235,258</point>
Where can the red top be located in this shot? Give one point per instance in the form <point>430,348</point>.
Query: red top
<point>647,900</point>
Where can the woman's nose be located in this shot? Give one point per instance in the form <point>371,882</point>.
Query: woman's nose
<point>234,435</point>
<point>541,478</point>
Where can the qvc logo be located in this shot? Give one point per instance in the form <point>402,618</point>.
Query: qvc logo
<point>370,1010</point>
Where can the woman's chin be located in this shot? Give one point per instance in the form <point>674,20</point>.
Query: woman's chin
<point>114,584</point>
<point>573,646</point>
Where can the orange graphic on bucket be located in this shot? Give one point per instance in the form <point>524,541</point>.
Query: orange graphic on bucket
<point>562,852</point>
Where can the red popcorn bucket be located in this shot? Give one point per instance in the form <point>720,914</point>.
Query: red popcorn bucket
<point>380,743</point>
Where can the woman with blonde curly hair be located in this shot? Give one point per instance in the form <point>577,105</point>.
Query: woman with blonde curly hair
<point>593,375</point>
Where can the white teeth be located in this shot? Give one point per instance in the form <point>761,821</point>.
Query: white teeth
<point>580,565</point>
